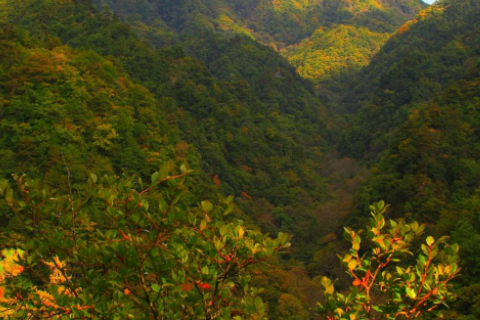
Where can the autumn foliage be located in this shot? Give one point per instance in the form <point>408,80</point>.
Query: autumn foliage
<point>385,285</point>
<point>107,250</point>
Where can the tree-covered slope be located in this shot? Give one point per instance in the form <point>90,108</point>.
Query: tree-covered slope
<point>415,121</point>
<point>349,33</point>
<point>248,125</point>
<point>325,38</point>
<point>438,49</point>
<point>218,116</point>
<point>64,106</point>
<point>333,50</point>
<point>82,93</point>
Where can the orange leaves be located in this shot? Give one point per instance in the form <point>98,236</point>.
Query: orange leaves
<point>59,56</point>
<point>9,266</point>
<point>201,285</point>
<point>357,282</point>
<point>380,241</point>
<point>16,270</point>
<point>247,168</point>
<point>78,307</point>
<point>57,276</point>
<point>404,28</point>
<point>47,299</point>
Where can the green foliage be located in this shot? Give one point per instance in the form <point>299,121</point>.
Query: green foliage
<point>430,58</point>
<point>355,30</point>
<point>124,253</point>
<point>245,117</point>
<point>81,92</point>
<point>73,108</point>
<point>383,285</point>
<point>415,123</point>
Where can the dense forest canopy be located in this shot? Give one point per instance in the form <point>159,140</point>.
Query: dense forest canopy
<point>130,128</point>
<point>320,38</point>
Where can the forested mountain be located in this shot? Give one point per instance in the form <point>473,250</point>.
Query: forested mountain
<point>320,38</point>
<point>240,127</point>
<point>416,121</point>
<point>178,101</point>
<point>81,94</point>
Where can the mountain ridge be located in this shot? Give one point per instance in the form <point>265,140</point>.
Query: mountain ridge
<point>290,26</point>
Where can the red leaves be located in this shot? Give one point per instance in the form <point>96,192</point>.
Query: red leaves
<point>216,180</point>
<point>364,282</point>
<point>246,196</point>
<point>124,236</point>
<point>205,286</point>
<point>201,285</point>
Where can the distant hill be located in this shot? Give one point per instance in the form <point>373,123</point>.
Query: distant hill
<point>320,38</point>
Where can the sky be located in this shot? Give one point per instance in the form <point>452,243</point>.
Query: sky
<point>430,1</point>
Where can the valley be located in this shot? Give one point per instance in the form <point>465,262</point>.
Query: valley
<point>304,113</point>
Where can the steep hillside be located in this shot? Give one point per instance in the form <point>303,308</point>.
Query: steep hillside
<point>417,122</point>
<point>277,22</point>
<point>63,106</point>
<point>252,130</point>
<point>436,50</point>
<point>83,93</point>
<point>254,138</point>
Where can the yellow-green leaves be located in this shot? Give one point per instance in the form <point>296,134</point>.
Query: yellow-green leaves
<point>380,272</point>
<point>430,241</point>
<point>9,195</point>
<point>411,293</point>
<point>328,285</point>
<point>207,206</point>
<point>352,264</point>
<point>241,232</point>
